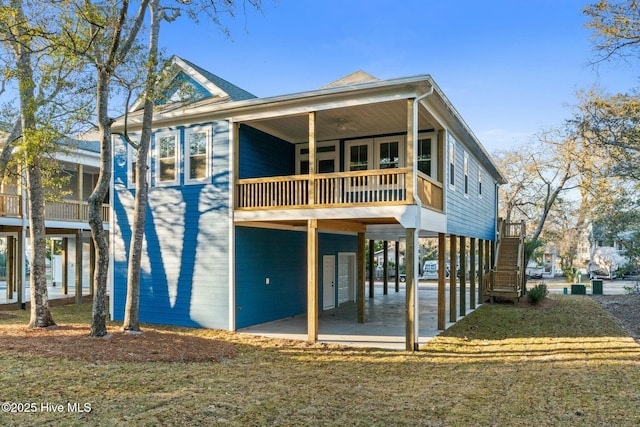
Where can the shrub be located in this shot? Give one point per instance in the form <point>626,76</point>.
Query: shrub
<point>537,293</point>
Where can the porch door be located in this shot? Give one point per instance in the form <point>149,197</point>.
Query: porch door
<point>328,282</point>
<point>346,277</point>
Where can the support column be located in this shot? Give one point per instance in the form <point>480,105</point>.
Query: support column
<point>481,270</point>
<point>385,268</point>
<point>361,274</point>
<point>371,269</point>
<point>472,273</point>
<point>20,268</point>
<point>65,266</point>
<point>397,266</point>
<point>79,267</point>
<point>463,275</point>
<point>312,280</point>
<point>453,253</point>
<point>488,253</point>
<point>10,267</point>
<point>442,268</point>
<point>411,289</point>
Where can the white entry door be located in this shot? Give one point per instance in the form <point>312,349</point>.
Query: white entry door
<point>346,277</point>
<point>328,282</point>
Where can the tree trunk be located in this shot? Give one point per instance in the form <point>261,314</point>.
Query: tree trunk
<point>40,314</point>
<point>132,307</point>
<point>96,200</point>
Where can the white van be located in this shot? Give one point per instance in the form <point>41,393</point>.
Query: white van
<point>430,270</point>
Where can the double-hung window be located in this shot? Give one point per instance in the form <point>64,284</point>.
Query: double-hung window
<point>466,173</point>
<point>452,164</point>
<point>480,182</point>
<point>197,155</point>
<point>167,165</point>
<point>428,156</point>
<point>133,162</point>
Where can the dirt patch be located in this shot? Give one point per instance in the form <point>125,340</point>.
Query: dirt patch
<point>73,342</point>
<point>625,309</point>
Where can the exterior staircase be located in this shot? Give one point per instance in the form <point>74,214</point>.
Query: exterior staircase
<point>506,279</point>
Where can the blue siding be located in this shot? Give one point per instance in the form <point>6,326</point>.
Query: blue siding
<point>280,256</point>
<point>469,215</point>
<point>263,155</point>
<point>185,262</point>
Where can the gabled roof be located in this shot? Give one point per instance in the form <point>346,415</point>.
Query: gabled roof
<point>354,78</point>
<point>202,84</point>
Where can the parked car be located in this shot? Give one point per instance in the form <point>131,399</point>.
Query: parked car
<point>430,270</point>
<point>602,273</point>
<point>534,271</point>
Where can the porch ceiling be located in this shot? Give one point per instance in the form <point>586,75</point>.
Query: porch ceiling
<point>344,123</point>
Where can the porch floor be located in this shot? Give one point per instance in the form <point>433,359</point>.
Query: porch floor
<point>384,325</point>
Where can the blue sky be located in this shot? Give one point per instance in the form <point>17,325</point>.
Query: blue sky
<point>510,67</point>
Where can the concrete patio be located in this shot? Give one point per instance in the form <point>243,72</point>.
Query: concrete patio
<point>384,325</point>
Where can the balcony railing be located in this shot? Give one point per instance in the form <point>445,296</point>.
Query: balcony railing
<point>67,210</point>
<point>342,189</point>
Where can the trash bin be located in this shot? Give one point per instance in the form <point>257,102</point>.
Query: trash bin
<point>596,287</point>
<point>577,289</point>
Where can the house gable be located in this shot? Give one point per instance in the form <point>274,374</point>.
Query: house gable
<point>187,82</point>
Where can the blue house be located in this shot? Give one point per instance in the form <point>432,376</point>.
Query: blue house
<point>259,208</point>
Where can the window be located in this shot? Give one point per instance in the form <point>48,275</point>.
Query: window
<point>374,153</point>
<point>466,173</point>
<point>424,156</point>
<point>167,166</point>
<point>326,157</point>
<point>133,162</point>
<point>388,155</point>
<point>197,143</point>
<point>480,183</point>
<point>452,164</point>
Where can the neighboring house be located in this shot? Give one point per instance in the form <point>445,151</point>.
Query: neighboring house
<point>259,207</point>
<point>66,219</point>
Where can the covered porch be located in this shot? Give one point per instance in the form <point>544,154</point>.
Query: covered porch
<point>384,320</point>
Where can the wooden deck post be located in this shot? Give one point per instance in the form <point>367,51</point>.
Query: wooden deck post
<point>371,269</point>
<point>463,275</point>
<point>397,266</point>
<point>481,270</point>
<point>10,267</point>
<point>453,253</point>
<point>79,267</point>
<point>312,280</point>
<point>410,291</point>
<point>361,274</point>
<point>20,268</point>
<point>385,268</point>
<point>472,273</point>
<point>65,266</point>
<point>488,253</point>
<point>442,267</point>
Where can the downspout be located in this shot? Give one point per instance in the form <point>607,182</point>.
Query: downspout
<point>416,266</point>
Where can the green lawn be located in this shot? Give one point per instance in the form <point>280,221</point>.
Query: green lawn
<point>565,364</point>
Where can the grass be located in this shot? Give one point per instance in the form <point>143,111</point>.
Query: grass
<point>565,363</point>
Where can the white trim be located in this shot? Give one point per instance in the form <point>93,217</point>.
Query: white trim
<point>130,151</point>
<point>232,229</point>
<point>187,154</point>
<point>176,156</point>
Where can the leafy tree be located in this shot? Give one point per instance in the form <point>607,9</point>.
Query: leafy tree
<point>48,88</point>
